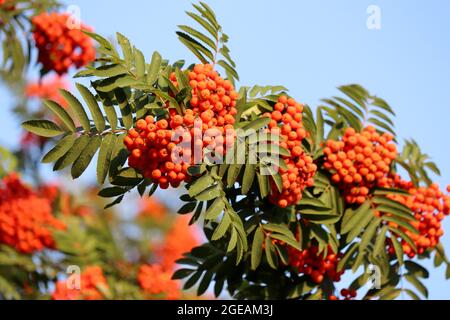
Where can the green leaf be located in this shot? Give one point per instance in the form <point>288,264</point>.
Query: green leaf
<point>411,294</point>
<point>209,194</point>
<point>73,154</point>
<point>208,27</point>
<point>112,192</point>
<point>104,157</point>
<point>192,280</point>
<point>182,273</point>
<point>110,111</point>
<point>126,48</point>
<point>347,257</point>
<point>271,253</point>
<point>187,208</point>
<point>398,250</point>
<point>196,34</point>
<point>263,185</point>
<point>380,243</point>
<point>215,209</point>
<point>257,247</point>
<point>140,63</point>
<point>153,69</point>
<point>125,109</point>
<point>43,128</point>
<point>249,177</point>
<point>416,269</point>
<point>110,70</point>
<point>200,184</point>
<point>61,114</point>
<point>289,240</point>
<point>206,281</point>
<point>86,156</point>
<point>401,223</point>
<point>221,228</point>
<point>358,215</point>
<point>233,173</point>
<point>60,149</point>
<point>417,284</point>
<point>404,236</point>
<point>93,107</point>
<point>78,108</point>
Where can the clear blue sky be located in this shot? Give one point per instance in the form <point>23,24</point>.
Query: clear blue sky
<point>311,47</point>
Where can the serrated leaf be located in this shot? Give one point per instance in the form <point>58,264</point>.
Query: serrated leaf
<point>417,284</point>
<point>125,109</point>
<point>43,128</point>
<point>182,273</point>
<point>401,223</point>
<point>61,114</point>
<point>153,69</point>
<point>60,149</point>
<point>271,254</point>
<point>110,111</point>
<point>200,184</point>
<point>112,192</point>
<point>222,228</point>
<point>77,107</point>
<point>257,247</point>
<point>140,63</point>
<point>86,157</point>
<point>398,250</point>
<point>72,154</point>
<point>92,104</point>
<point>249,177</point>
<point>358,215</point>
<point>288,240</point>
<point>215,209</point>
<point>104,157</point>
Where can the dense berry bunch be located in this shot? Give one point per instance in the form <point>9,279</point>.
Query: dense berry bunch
<point>157,282</point>
<point>60,46</point>
<point>150,208</point>
<point>181,238</point>
<point>162,149</point>
<point>360,162</point>
<point>287,120</point>
<point>213,98</point>
<point>89,283</point>
<point>429,206</point>
<point>317,266</point>
<point>48,88</point>
<point>26,219</point>
<point>151,147</point>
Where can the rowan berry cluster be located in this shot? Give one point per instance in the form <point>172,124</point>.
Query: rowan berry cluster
<point>430,206</point>
<point>213,98</point>
<point>89,283</point>
<point>26,219</point>
<point>48,88</point>
<point>157,282</point>
<point>360,162</point>
<point>162,149</point>
<point>60,46</point>
<point>316,266</point>
<point>287,121</point>
<point>151,147</point>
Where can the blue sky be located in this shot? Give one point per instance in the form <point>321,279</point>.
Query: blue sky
<point>311,47</point>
